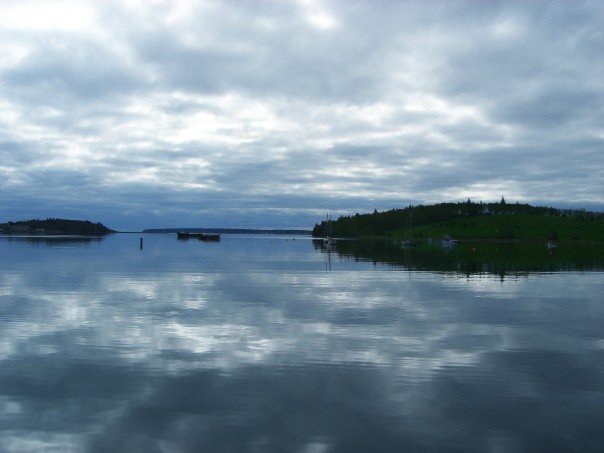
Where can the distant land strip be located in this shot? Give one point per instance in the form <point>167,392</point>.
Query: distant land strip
<point>229,231</point>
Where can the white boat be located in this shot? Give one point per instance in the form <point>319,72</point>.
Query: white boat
<point>551,245</point>
<point>201,236</point>
<point>328,240</point>
<point>447,241</point>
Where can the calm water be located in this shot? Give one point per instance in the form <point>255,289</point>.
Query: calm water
<point>273,344</point>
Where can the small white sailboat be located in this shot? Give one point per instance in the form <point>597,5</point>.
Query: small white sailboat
<point>328,240</point>
<point>447,241</point>
<point>407,242</point>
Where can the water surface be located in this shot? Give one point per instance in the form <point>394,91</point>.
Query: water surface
<point>263,343</point>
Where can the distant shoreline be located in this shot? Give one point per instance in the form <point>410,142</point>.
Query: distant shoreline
<point>229,231</point>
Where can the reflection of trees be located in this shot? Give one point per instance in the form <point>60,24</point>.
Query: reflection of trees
<point>54,241</point>
<point>471,258</point>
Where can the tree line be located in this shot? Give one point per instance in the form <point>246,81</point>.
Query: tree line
<point>381,223</point>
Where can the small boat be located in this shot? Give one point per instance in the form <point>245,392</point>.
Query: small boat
<point>551,245</point>
<point>201,236</point>
<point>447,241</point>
<point>328,240</point>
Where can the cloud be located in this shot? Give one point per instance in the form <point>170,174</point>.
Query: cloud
<point>297,106</point>
<point>138,353</point>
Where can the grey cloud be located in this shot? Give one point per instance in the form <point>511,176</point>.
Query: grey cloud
<point>232,52</point>
<point>553,108</point>
<point>544,77</point>
<point>63,71</point>
<point>463,94</point>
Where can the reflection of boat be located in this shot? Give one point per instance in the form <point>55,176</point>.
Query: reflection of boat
<point>200,236</point>
<point>209,237</point>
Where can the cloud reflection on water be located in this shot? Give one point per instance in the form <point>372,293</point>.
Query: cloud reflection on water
<point>96,357</point>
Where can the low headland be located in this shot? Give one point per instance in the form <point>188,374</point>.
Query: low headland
<point>52,227</point>
<point>470,221</point>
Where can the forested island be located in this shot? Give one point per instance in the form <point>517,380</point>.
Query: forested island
<point>470,221</point>
<point>55,227</point>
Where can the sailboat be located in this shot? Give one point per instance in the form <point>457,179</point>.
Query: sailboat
<point>407,242</point>
<point>327,239</point>
<point>448,242</point>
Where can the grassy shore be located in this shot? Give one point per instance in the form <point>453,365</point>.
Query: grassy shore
<point>523,227</point>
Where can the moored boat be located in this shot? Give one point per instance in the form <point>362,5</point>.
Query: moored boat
<point>328,240</point>
<point>201,236</point>
<point>447,241</point>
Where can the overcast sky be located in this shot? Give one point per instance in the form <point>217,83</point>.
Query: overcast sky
<point>271,113</point>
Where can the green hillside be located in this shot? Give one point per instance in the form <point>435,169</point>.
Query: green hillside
<point>469,220</point>
<point>529,227</point>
